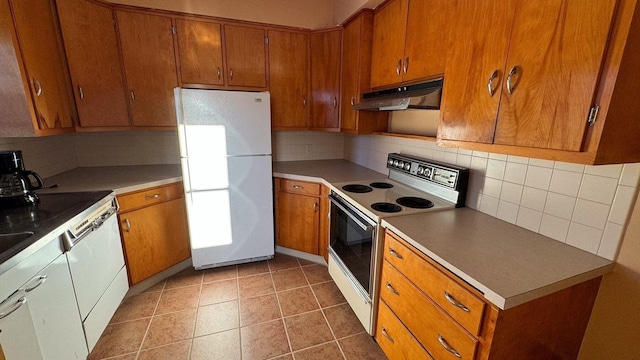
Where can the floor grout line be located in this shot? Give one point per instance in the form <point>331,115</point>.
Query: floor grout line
<point>195,320</point>
<point>239,311</point>
<point>146,332</point>
<point>284,324</point>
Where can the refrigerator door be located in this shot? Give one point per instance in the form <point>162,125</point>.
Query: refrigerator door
<point>232,221</point>
<point>223,123</point>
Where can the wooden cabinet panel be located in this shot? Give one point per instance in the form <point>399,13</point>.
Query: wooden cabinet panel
<point>147,197</point>
<point>325,208</point>
<point>325,79</point>
<point>246,56</point>
<point>297,222</point>
<point>389,26</point>
<point>200,52</point>
<point>478,49</point>
<point>149,63</point>
<point>288,79</point>
<point>356,77</point>
<point>42,52</point>
<point>427,39</point>
<point>394,339</point>
<point>300,187</point>
<point>423,318</point>
<point>557,71</point>
<point>155,238</point>
<point>94,61</point>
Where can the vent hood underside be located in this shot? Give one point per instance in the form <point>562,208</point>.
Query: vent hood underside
<point>419,96</point>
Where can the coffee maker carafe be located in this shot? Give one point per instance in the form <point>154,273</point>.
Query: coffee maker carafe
<point>16,188</point>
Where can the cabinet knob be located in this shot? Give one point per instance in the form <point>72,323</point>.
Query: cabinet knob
<point>41,280</point>
<point>17,306</point>
<point>315,207</point>
<point>395,254</point>
<point>511,87</point>
<point>392,289</point>
<point>353,100</point>
<point>133,97</point>
<point>126,221</point>
<point>298,187</point>
<point>490,87</point>
<point>219,74</point>
<point>455,303</point>
<point>448,347</point>
<point>81,92</point>
<point>231,74</point>
<point>304,102</point>
<point>335,102</point>
<point>398,67</point>
<point>386,334</point>
<point>406,65</point>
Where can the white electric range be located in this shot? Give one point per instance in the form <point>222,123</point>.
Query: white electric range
<point>414,185</point>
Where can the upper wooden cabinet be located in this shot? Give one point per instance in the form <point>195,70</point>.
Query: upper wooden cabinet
<point>546,88</point>
<point>325,78</point>
<point>409,41</point>
<point>34,80</point>
<point>356,75</point>
<point>91,45</point>
<point>149,63</point>
<point>245,51</point>
<point>200,52</point>
<point>288,84</point>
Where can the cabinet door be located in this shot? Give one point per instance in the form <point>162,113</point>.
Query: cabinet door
<point>325,79</point>
<point>555,72</point>
<point>94,61</point>
<point>427,39</point>
<point>478,49</point>
<point>149,63</point>
<point>46,68</point>
<point>246,56</point>
<point>18,337</point>
<point>356,77</point>
<point>389,26</point>
<point>288,78</point>
<point>297,222</point>
<point>200,52</point>
<point>155,238</point>
<point>55,314</point>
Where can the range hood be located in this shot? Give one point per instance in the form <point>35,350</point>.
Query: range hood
<point>425,95</point>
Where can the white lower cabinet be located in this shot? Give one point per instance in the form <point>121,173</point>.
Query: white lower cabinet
<point>17,333</point>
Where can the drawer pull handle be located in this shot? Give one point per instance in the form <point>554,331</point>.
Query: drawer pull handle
<point>17,306</point>
<point>128,223</point>
<point>41,280</point>
<point>446,346</point>
<point>395,254</point>
<point>392,289</point>
<point>384,332</point>
<point>298,187</point>
<point>453,302</point>
<point>154,196</point>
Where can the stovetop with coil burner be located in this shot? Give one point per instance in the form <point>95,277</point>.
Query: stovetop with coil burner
<point>414,185</point>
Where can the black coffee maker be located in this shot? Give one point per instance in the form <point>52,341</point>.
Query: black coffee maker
<point>16,188</point>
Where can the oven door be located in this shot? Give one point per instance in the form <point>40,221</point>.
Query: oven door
<point>351,242</point>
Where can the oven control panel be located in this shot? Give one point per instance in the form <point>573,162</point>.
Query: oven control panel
<point>432,171</point>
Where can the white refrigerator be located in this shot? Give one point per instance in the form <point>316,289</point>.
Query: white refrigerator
<point>225,152</point>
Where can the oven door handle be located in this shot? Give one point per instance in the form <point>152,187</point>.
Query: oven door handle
<point>349,213</point>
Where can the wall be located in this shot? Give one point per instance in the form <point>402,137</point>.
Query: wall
<point>343,9</point>
<point>584,206</point>
<point>47,156</point>
<point>299,13</point>
<point>307,145</point>
<point>613,330</point>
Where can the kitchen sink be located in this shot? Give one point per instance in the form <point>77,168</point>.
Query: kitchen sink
<point>7,241</point>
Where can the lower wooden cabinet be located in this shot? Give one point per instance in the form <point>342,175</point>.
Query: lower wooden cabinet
<point>301,216</point>
<point>154,234</point>
<point>423,306</point>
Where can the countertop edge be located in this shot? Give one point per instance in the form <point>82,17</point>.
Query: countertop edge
<point>504,302</point>
<point>301,178</point>
<point>146,185</point>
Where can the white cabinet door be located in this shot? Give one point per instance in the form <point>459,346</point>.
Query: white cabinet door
<point>17,334</point>
<point>55,313</point>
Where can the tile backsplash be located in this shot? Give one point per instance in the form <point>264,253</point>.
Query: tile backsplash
<point>127,148</point>
<point>584,206</point>
<point>306,145</point>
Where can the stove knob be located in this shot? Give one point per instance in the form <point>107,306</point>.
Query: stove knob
<point>427,172</point>
<point>390,162</point>
<point>407,166</point>
<point>395,163</point>
<point>420,170</point>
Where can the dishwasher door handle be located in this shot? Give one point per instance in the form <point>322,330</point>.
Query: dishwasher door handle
<point>69,240</point>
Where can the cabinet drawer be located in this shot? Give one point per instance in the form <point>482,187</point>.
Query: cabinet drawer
<point>139,199</point>
<point>300,187</point>
<point>395,340</point>
<point>457,301</point>
<point>436,331</point>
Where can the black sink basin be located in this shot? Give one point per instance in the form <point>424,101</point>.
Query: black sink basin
<point>7,241</point>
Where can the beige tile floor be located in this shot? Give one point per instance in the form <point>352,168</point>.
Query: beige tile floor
<point>285,308</point>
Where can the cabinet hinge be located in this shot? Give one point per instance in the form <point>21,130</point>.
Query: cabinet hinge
<point>266,40</point>
<point>593,115</point>
<point>174,30</point>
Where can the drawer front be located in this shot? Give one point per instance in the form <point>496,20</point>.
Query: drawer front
<point>436,331</point>
<point>300,187</point>
<point>395,340</point>
<point>140,199</point>
<point>457,301</point>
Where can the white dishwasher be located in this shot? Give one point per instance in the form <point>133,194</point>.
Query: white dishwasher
<point>96,262</point>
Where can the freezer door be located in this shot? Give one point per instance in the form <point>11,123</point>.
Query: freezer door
<point>233,223</point>
<point>223,123</point>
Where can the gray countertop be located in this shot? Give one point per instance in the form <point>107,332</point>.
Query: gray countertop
<point>507,263</point>
<point>324,171</point>
<point>120,179</point>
